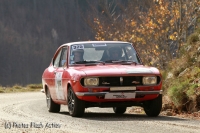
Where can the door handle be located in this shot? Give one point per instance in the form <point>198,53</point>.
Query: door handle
<point>54,72</point>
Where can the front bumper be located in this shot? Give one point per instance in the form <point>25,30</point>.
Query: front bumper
<point>104,93</point>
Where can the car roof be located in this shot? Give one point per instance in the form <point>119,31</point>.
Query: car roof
<point>84,42</point>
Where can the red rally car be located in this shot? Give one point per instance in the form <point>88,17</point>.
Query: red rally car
<point>101,74</point>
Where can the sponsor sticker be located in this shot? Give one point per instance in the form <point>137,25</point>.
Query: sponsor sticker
<point>99,45</point>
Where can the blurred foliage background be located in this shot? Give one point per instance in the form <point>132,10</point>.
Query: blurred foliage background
<point>166,34</point>
<point>31,31</point>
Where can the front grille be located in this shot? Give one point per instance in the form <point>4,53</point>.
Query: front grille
<point>109,81</point>
<point>121,81</point>
<point>132,81</point>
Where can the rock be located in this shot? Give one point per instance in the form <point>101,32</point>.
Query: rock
<point>42,90</point>
<point>169,113</point>
<point>188,48</point>
<point>169,110</point>
<point>196,114</point>
<point>198,50</point>
<point>198,59</point>
<point>196,81</point>
<point>184,72</point>
<point>170,75</point>
<point>166,106</point>
<point>166,99</point>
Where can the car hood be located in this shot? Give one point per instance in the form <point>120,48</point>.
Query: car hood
<point>99,70</point>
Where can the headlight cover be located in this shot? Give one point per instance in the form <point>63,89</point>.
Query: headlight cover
<point>152,80</point>
<point>91,81</point>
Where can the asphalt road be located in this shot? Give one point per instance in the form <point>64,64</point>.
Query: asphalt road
<point>27,112</point>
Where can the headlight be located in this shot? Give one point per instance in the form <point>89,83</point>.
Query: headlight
<point>149,80</point>
<point>91,81</point>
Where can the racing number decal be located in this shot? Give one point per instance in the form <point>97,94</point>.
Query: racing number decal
<point>58,83</point>
<point>74,47</point>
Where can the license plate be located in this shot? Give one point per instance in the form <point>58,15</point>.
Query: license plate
<point>119,95</point>
<point>122,88</point>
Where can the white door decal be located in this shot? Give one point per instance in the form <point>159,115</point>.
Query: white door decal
<point>58,83</point>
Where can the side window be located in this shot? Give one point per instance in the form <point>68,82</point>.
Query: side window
<point>63,57</point>
<point>56,61</point>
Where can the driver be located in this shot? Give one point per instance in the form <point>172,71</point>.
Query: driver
<point>115,53</point>
<point>78,55</point>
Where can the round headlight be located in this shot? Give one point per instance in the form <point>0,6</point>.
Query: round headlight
<point>149,80</point>
<point>91,81</point>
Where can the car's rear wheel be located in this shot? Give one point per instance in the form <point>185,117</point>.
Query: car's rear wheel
<point>52,106</point>
<point>119,110</point>
<point>152,108</point>
<point>76,106</point>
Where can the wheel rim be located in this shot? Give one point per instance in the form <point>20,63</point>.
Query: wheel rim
<point>71,101</point>
<point>48,99</point>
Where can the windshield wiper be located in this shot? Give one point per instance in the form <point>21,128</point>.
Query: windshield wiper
<point>121,61</point>
<point>88,62</point>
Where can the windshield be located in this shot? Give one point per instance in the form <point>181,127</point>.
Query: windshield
<point>102,52</point>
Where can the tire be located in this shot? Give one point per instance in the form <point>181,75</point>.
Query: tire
<point>52,106</point>
<point>119,110</point>
<point>76,106</point>
<point>152,108</point>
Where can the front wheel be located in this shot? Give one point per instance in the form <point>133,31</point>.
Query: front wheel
<point>152,108</point>
<point>119,110</point>
<point>52,106</point>
<point>76,106</point>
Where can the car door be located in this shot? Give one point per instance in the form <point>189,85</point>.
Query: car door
<point>59,72</point>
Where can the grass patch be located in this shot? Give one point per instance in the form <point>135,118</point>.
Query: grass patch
<point>191,91</point>
<point>182,90</point>
<point>193,38</point>
<point>18,88</point>
<point>34,86</point>
<point>177,92</point>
